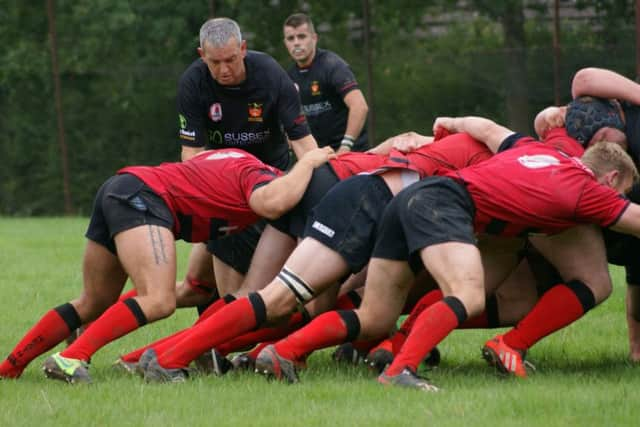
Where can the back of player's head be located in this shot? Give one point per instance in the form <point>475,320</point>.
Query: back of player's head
<point>586,115</point>
<point>605,157</point>
<point>218,31</point>
<point>298,19</point>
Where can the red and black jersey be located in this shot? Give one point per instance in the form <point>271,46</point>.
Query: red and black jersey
<point>250,116</point>
<point>322,87</point>
<point>533,187</point>
<point>208,195</point>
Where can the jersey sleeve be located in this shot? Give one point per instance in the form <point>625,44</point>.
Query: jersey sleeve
<point>289,107</point>
<point>192,132</point>
<point>599,204</point>
<point>341,77</point>
<point>515,140</point>
<point>255,176</point>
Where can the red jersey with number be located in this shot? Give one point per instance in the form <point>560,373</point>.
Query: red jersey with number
<point>534,187</point>
<point>208,194</point>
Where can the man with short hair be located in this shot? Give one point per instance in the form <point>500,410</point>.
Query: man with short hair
<point>137,216</point>
<point>331,99</point>
<point>235,97</point>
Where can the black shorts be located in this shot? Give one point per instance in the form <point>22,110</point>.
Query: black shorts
<point>236,250</point>
<point>346,219</point>
<point>431,211</point>
<point>294,221</point>
<point>125,202</point>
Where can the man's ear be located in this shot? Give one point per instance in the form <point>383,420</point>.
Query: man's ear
<point>200,52</point>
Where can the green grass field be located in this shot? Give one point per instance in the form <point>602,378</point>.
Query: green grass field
<point>583,377</point>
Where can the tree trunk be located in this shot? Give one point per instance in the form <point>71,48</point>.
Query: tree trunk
<point>64,157</point>
<point>366,32</point>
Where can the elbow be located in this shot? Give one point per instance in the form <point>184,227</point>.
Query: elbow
<point>582,82</point>
<point>273,210</point>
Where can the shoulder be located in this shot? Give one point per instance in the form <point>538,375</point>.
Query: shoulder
<point>261,61</point>
<point>195,72</point>
<point>330,58</point>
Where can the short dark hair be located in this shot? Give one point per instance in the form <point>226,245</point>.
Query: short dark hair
<point>298,19</point>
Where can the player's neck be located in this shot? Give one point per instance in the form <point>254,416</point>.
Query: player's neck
<point>307,63</point>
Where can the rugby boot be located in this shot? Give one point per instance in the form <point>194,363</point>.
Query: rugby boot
<point>381,356</point>
<point>347,353</point>
<point>154,373</point>
<point>271,364</point>
<point>408,379</point>
<point>212,362</point>
<point>72,371</point>
<point>244,362</point>
<point>504,358</point>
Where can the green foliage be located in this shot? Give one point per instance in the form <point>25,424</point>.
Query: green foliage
<point>120,61</point>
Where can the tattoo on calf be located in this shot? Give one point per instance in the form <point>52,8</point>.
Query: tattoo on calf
<point>157,244</point>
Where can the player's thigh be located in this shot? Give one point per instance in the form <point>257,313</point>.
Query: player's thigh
<point>578,254</point>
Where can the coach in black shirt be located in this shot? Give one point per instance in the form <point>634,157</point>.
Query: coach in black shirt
<point>334,105</point>
<point>234,97</point>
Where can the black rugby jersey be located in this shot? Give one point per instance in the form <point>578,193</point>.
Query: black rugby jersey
<point>253,116</point>
<point>322,87</point>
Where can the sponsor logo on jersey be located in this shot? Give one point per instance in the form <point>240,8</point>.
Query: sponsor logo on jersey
<point>215,112</point>
<point>238,138</point>
<point>538,161</point>
<point>315,88</point>
<point>296,86</point>
<point>183,121</point>
<point>317,108</point>
<point>188,135</point>
<point>323,229</point>
<point>255,112</point>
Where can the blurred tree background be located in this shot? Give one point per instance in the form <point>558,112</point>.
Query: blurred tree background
<point>119,62</point>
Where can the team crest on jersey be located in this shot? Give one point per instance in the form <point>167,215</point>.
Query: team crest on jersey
<point>215,112</point>
<point>315,88</point>
<point>255,112</point>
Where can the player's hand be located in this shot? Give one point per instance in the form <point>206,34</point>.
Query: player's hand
<point>318,156</point>
<point>409,141</point>
<point>549,118</point>
<point>446,123</point>
<point>343,149</point>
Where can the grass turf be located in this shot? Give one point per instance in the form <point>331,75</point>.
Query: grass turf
<point>583,376</point>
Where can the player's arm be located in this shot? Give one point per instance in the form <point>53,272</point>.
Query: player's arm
<point>189,152</point>
<point>303,145</point>
<point>479,128</point>
<point>280,195</point>
<point>405,142</point>
<point>191,134</point>
<point>358,109</point>
<point>549,118</point>
<point>605,84</point>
